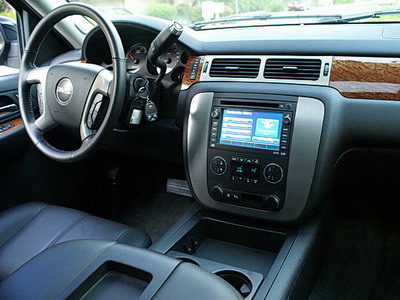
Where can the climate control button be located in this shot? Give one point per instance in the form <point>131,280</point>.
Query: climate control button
<point>273,173</point>
<point>218,165</point>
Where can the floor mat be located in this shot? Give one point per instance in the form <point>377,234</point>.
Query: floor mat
<point>155,212</point>
<point>363,262</point>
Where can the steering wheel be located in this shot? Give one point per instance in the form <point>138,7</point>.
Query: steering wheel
<point>71,93</point>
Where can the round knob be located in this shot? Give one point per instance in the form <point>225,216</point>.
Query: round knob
<point>272,202</point>
<point>217,193</point>
<point>287,120</point>
<point>215,114</point>
<point>218,165</point>
<point>273,173</point>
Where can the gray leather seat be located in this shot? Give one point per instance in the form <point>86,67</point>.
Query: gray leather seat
<point>28,229</point>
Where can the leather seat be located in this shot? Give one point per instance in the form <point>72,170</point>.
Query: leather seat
<point>28,229</point>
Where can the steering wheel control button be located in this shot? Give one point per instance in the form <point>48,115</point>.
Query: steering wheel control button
<point>218,165</point>
<point>95,108</point>
<point>273,173</point>
<point>272,203</point>
<point>64,91</point>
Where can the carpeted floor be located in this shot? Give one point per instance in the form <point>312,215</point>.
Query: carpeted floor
<point>363,261</point>
<point>155,212</point>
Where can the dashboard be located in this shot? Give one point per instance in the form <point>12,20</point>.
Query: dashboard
<point>261,115</point>
<point>136,44</point>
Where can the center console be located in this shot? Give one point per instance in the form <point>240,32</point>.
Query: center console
<point>253,154</point>
<point>248,152</point>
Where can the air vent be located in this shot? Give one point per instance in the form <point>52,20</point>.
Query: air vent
<point>292,69</point>
<point>235,68</point>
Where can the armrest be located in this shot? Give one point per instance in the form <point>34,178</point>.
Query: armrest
<point>77,268</point>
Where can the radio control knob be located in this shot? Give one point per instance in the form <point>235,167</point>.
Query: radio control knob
<point>217,193</point>
<point>287,120</point>
<point>218,165</point>
<point>215,114</point>
<point>273,173</point>
<point>272,202</point>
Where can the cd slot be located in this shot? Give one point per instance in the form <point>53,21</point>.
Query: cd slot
<point>249,103</point>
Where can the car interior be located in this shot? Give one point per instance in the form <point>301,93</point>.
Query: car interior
<point>143,159</point>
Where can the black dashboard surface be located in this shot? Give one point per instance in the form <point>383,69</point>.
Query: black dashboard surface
<point>348,123</point>
<point>369,39</point>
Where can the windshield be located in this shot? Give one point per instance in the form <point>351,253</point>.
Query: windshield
<point>231,13</point>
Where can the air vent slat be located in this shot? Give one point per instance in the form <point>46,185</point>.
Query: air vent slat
<point>236,61</point>
<point>292,69</point>
<point>291,73</point>
<point>235,68</point>
<point>293,77</point>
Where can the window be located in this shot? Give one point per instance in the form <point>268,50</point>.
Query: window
<point>9,56</point>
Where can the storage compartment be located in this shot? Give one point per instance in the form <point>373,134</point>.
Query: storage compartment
<point>238,280</point>
<point>240,246</point>
<point>113,281</point>
<point>239,254</point>
<point>244,281</point>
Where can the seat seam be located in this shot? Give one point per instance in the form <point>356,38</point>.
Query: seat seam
<point>122,233</point>
<point>65,231</point>
<point>146,241</point>
<point>23,226</point>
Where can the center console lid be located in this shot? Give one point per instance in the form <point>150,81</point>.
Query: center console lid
<point>106,270</point>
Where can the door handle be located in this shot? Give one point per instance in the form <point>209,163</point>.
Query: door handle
<point>8,108</point>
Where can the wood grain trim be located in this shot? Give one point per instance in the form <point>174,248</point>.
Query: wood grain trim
<point>366,77</point>
<point>186,81</point>
<point>17,123</point>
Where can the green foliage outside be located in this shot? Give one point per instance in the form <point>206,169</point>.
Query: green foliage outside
<point>183,12</point>
<point>163,10</point>
<point>189,13</point>
<point>343,1</point>
<point>387,18</point>
<point>6,10</point>
<point>254,5</point>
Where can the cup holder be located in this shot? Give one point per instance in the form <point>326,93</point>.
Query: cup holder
<point>238,280</point>
<point>189,260</point>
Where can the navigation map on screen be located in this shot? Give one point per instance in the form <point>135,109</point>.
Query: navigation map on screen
<point>251,128</point>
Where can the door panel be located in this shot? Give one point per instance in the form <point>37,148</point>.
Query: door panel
<point>13,137</point>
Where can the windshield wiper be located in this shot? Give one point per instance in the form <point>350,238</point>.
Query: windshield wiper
<point>199,25</point>
<point>265,16</point>
<point>362,16</point>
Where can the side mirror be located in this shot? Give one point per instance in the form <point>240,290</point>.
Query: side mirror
<point>9,55</point>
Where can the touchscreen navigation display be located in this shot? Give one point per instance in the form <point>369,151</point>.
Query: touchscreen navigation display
<point>251,128</point>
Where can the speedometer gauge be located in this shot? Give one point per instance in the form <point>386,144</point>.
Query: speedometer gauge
<point>171,57</point>
<point>136,57</point>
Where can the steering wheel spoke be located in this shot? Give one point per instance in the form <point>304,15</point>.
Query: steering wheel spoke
<point>99,90</point>
<point>45,122</point>
<point>39,76</point>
